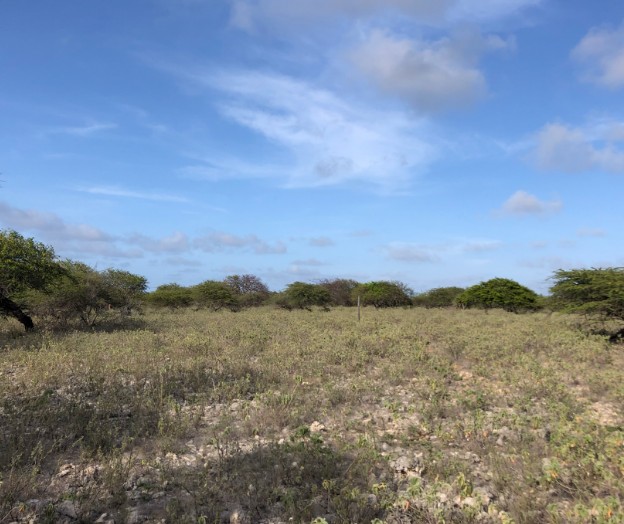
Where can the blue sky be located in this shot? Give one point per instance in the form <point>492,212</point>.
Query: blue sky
<point>436,143</point>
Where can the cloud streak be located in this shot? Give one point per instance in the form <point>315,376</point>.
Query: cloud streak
<point>126,193</point>
<point>426,253</point>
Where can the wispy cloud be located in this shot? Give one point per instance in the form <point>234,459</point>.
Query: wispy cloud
<point>287,15</point>
<point>84,130</point>
<point>175,243</point>
<point>219,241</point>
<point>127,193</point>
<point>601,54</point>
<point>414,252</point>
<point>321,242</point>
<point>591,232</point>
<point>325,139</point>
<point>69,238</point>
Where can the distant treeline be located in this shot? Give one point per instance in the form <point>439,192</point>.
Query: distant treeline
<point>35,283</point>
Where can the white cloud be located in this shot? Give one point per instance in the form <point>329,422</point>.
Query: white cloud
<point>308,262</point>
<point>321,242</point>
<point>329,140</point>
<point>413,252</point>
<point>431,76</point>
<point>250,15</point>
<point>219,241</point>
<point>83,130</point>
<point>126,193</point>
<point>591,232</point>
<point>175,243</point>
<point>570,149</point>
<point>601,52</point>
<point>523,203</point>
<point>288,15</point>
<point>81,239</point>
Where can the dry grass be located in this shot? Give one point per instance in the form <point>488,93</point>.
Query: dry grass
<point>429,416</point>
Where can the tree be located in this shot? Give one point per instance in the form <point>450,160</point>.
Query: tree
<point>382,294</point>
<point>24,265</point>
<point>597,292</point>
<point>340,290</point>
<point>500,293</point>
<point>126,290</point>
<point>438,297</point>
<point>249,289</point>
<point>215,295</point>
<point>303,296</point>
<point>172,296</point>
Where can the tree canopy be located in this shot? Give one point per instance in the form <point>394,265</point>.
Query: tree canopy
<point>595,291</point>
<point>383,294</point>
<point>24,265</point>
<point>438,297</point>
<point>500,293</point>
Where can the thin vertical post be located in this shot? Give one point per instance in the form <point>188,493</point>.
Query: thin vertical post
<point>359,308</point>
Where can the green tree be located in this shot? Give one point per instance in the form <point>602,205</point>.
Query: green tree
<point>215,295</point>
<point>500,293</point>
<point>598,292</point>
<point>25,265</point>
<point>301,295</point>
<point>438,297</point>
<point>172,296</point>
<point>126,290</point>
<point>382,294</point>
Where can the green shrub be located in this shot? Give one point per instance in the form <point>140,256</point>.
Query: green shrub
<point>382,294</point>
<point>300,295</point>
<point>499,293</point>
<point>215,295</point>
<point>172,296</point>
<point>438,297</point>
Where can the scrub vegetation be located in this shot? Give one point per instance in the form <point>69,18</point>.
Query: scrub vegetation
<point>224,402</point>
<point>263,415</point>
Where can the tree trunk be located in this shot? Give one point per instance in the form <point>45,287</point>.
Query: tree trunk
<point>11,308</point>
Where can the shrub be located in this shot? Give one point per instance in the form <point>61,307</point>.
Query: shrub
<point>499,293</point>
<point>249,289</point>
<point>25,265</point>
<point>438,297</point>
<point>593,291</point>
<point>215,295</point>
<point>382,294</point>
<point>340,290</point>
<point>303,296</point>
<point>172,296</point>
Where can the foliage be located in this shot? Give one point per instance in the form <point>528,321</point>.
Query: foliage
<point>382,294</point>
<point>249,289</point>
<point>215,408</point>
<point>172,296</point>
<point>596,291</point>
<point>215,296</point>
<point>86,294</point>
<point>340,290</point>
<point>301,295</point>
<point>438,297</point>
<point>24,265</point>
<point>126,290</point>
<point>499,293</point>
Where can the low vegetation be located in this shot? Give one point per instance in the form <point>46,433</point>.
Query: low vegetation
<point>268,415</point>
